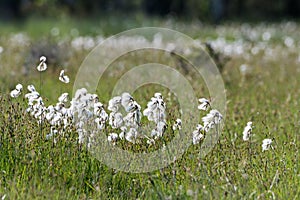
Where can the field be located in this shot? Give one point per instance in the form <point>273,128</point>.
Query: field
<point>259,64</point>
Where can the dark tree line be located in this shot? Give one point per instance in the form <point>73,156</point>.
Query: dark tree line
<point>203,9</point>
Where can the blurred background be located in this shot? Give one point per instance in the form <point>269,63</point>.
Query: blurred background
<point>233,31</point>
<point>205,10</point>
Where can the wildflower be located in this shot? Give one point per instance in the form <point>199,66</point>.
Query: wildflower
<point>66,121</point>
<point>133,106</point>
<point>31,88</point>
<point>112,137</point>
<point>114,104</point>
<point>134,115</point>
<point>161,127</point>
<point>159,130</point>
<point>115,120</point>
<point>132,135</point>
<point>148,112</point>
<point>123,132</point>
<point>103,115</point>
<point>79,93</point>
<point>63,78</point>
<point>63,98</point>
<point>17,91</point>
<point>57,117</point>
<point>19,87</point>
<point>247,131</point>
<point>32,96</point>
<point>158,95</point>
<point>211,119</point>
<point>50,113</point>
<point>42,66</point>
<point>95,98</point>
<point>197,134</point>
<point>59,106</point>
<point>155,110</point>
<point>98,108</point>
<point>204,104</point>
<point>133,119</point>
<point>266,144</point>
<point>100,123</point>
<point>177,125</point>
<point>127,101</point>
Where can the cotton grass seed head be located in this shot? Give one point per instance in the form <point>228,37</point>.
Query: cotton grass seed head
<point>17,91</point>
<point>112,138</point>
<point>115,120</point>
<point>63,78</point>
<point>132,135</point>
<point>177,125</point>
<point>31,88</point>
<point>126,101</point>
<point>42,66</point>
<point>197,134</point>
<point>204,104</point>
<point>114,104</point>
<point>247,131</point>
<point>19,87</point>
<point>63,98</point>
<point>266,144</point>
<point>213,118</point>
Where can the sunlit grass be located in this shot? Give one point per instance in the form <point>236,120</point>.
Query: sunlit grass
<point>32,167</point>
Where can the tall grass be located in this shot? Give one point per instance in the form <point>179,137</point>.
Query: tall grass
<point>34,168</point>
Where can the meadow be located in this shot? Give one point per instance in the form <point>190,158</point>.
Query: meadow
<point>259,64</point>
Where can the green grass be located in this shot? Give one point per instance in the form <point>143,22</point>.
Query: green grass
<point>33,168</point>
